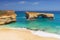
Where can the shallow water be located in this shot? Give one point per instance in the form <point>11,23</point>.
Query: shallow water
<point>43,24</point>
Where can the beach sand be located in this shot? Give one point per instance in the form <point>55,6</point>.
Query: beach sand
<point>20,34</point>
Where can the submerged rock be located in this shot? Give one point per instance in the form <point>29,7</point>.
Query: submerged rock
<point>34,15</point>
<point>7,16</point>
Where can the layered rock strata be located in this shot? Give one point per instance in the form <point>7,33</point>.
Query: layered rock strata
<point>7,16</point>
<point>34,15</point>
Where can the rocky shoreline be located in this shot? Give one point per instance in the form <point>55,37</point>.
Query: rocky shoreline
<point>8,16</point>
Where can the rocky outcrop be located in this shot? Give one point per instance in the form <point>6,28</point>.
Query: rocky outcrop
<point>7,16</point>
<point>31,15</point>
<point>34,15</point>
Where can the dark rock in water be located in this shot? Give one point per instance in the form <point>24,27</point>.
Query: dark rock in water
<point>7,16</point>
<point>35,29</point>
<point>34,15</point>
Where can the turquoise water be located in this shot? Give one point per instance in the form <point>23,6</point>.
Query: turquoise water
<point>43,24</point>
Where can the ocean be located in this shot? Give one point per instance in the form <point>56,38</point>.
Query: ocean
<point>43,24</point>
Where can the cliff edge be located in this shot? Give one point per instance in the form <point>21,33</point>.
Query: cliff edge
<point>7,16</point>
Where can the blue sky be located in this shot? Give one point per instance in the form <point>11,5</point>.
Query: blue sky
<point>30,5</point>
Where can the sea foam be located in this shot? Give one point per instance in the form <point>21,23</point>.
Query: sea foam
<point>45,34</point>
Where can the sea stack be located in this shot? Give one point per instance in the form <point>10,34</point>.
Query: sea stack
<point>7,16</point>
<point>34,15</point>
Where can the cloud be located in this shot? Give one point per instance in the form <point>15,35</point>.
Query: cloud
<point>22,2</point>
<point>35,3</point>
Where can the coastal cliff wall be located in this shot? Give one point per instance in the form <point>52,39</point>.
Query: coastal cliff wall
<point>34,15</point>
<point>7,16</point>
<point>31,15</point>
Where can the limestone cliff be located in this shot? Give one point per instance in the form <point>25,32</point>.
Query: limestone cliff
<point>31,15</point>
<point>34,15</point>
<point>7,16</point>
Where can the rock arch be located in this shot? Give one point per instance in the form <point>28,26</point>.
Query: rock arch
<point>34,15</point>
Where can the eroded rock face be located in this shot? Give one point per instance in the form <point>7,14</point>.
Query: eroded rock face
<point>34,15</point>
<point>7,16</point>
<point>31,15</point>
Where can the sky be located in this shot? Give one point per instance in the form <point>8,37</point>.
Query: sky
<point>30,5</point>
